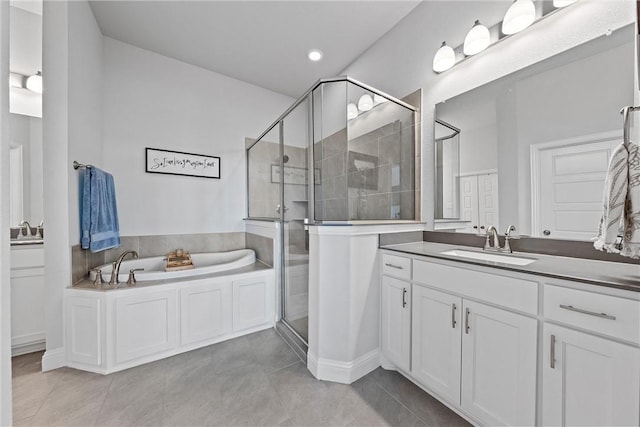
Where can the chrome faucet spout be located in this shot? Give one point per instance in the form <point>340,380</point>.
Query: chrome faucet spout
<point>25,229</point>
<point>492,231</point>
<point>115,272</point>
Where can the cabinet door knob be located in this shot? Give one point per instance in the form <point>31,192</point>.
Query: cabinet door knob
<point>547,232</point>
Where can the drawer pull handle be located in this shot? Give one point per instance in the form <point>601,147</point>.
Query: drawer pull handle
<point>394,266</point>
<point>453,316</point>
<point>590,313</point>
<point>466,321</point>
<point>552,356</point>
<point>404,297</point>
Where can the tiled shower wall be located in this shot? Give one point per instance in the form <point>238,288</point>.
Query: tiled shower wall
<point>148,246</point>
<point>385,191</point>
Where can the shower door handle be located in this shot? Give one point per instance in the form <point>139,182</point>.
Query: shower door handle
<point>278,208</point>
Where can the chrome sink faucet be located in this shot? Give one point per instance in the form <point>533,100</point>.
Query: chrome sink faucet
<point>492,231</point>
<point>115,271</point>
<point>25,229</point>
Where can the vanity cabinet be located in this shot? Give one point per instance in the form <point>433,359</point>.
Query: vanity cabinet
<point>396,321</point>
<point>591,376</point>
<point>502,347</point>
<point>27,299</point>
<point>474,355</point>
<point>589,380</point>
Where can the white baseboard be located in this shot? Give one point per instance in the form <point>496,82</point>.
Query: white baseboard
<point>343,372</point>
<point>54,359</point>
<point>26,348</point>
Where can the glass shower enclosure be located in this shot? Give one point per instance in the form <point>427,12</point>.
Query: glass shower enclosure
<point>343,153</point>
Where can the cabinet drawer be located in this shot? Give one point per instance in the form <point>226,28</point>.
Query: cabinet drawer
<point>605,314</point>
<point>396,266</point>
<point>515,293</point>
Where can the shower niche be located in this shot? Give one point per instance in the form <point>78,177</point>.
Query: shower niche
<point>343,153</point>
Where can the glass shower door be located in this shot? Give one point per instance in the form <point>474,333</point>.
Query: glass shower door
<point>295,236</point>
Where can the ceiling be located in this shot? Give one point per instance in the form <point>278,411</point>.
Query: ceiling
<point>260,42</point>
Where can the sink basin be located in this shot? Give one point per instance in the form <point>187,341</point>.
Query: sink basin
<point>488,256</point>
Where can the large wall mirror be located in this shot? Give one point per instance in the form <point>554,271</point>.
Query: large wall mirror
<point>532,148</point>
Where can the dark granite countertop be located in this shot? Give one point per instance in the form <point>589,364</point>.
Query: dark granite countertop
<point>601,273</point>
<point>87,284</point>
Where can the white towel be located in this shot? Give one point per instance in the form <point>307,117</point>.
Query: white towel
<point>621,213</point>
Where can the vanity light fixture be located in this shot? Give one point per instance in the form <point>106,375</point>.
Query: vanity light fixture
<point>315,55</point>
<point>520,15</point>
<point>477,39</point>
<point>352,111</point>
<point>365,103</point>
<point>378,99</point>
<point>444,59</point>
<point>562,3</point>
<point>34,82</point>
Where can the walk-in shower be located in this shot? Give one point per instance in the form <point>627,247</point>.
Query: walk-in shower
<point>343,153</point>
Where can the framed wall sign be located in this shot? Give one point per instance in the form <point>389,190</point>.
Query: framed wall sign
<point>178,163</point>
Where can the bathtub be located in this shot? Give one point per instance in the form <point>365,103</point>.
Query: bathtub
<point>204,263</point>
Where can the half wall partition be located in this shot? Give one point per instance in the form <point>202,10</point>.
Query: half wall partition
<point>343,153</point>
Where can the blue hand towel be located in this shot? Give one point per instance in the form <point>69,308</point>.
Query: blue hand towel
<point>98,211</point>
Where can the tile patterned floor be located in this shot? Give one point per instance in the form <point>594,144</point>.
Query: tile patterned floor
<point>248,381</point>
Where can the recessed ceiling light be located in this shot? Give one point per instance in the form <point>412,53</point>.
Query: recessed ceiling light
<point>315,55</point>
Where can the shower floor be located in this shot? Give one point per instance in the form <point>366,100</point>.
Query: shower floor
<point>301,326</point>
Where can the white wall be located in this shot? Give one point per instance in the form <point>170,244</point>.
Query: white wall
<point>5,285</point>
<point>400,71</point>
<point>71,126</point>
<point>155,101</point>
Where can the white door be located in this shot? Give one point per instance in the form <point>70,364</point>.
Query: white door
<point>205,311</point>
<point>396,322</point>
<point>570,181</point>
<point>488,200</point>
<point>469,200</point>
<point>592,382</point>
<point>498,365</point>
<point>435,345</point>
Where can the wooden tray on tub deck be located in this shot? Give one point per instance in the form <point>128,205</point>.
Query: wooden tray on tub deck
<point>177,262</point>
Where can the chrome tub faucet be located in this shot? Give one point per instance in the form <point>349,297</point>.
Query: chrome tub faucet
<point>115,271</point>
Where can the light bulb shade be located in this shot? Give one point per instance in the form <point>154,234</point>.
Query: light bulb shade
<point>34,83</point>
<point>562,3</point>
<point>379,99</point>
<point>477,39</point>
<point>365,103</point>
<point>520,15</point>
<point>444,59</point>
<point>352,111</point>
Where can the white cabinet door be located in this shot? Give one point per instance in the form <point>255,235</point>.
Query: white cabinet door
<point>145,324</point>
<point>27,309</point>
<point>396,322</point>
<point>83,330</point>
<point>251,303</point>
<point>592,382</point>
<point>498,365</point>
<point>436,330</point>
<point>205,311</point>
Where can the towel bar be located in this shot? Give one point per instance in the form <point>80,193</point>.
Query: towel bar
<point>77,165</point>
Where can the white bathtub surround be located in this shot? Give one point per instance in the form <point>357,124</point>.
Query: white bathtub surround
<point>344,299</point>
<point>154,267</point>
<point>112,330</point>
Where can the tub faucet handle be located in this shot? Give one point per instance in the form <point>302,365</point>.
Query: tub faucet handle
<point>132,276</point>
<point>97,282</point>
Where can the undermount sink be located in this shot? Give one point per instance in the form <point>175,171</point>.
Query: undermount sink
<point>487,256</point>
